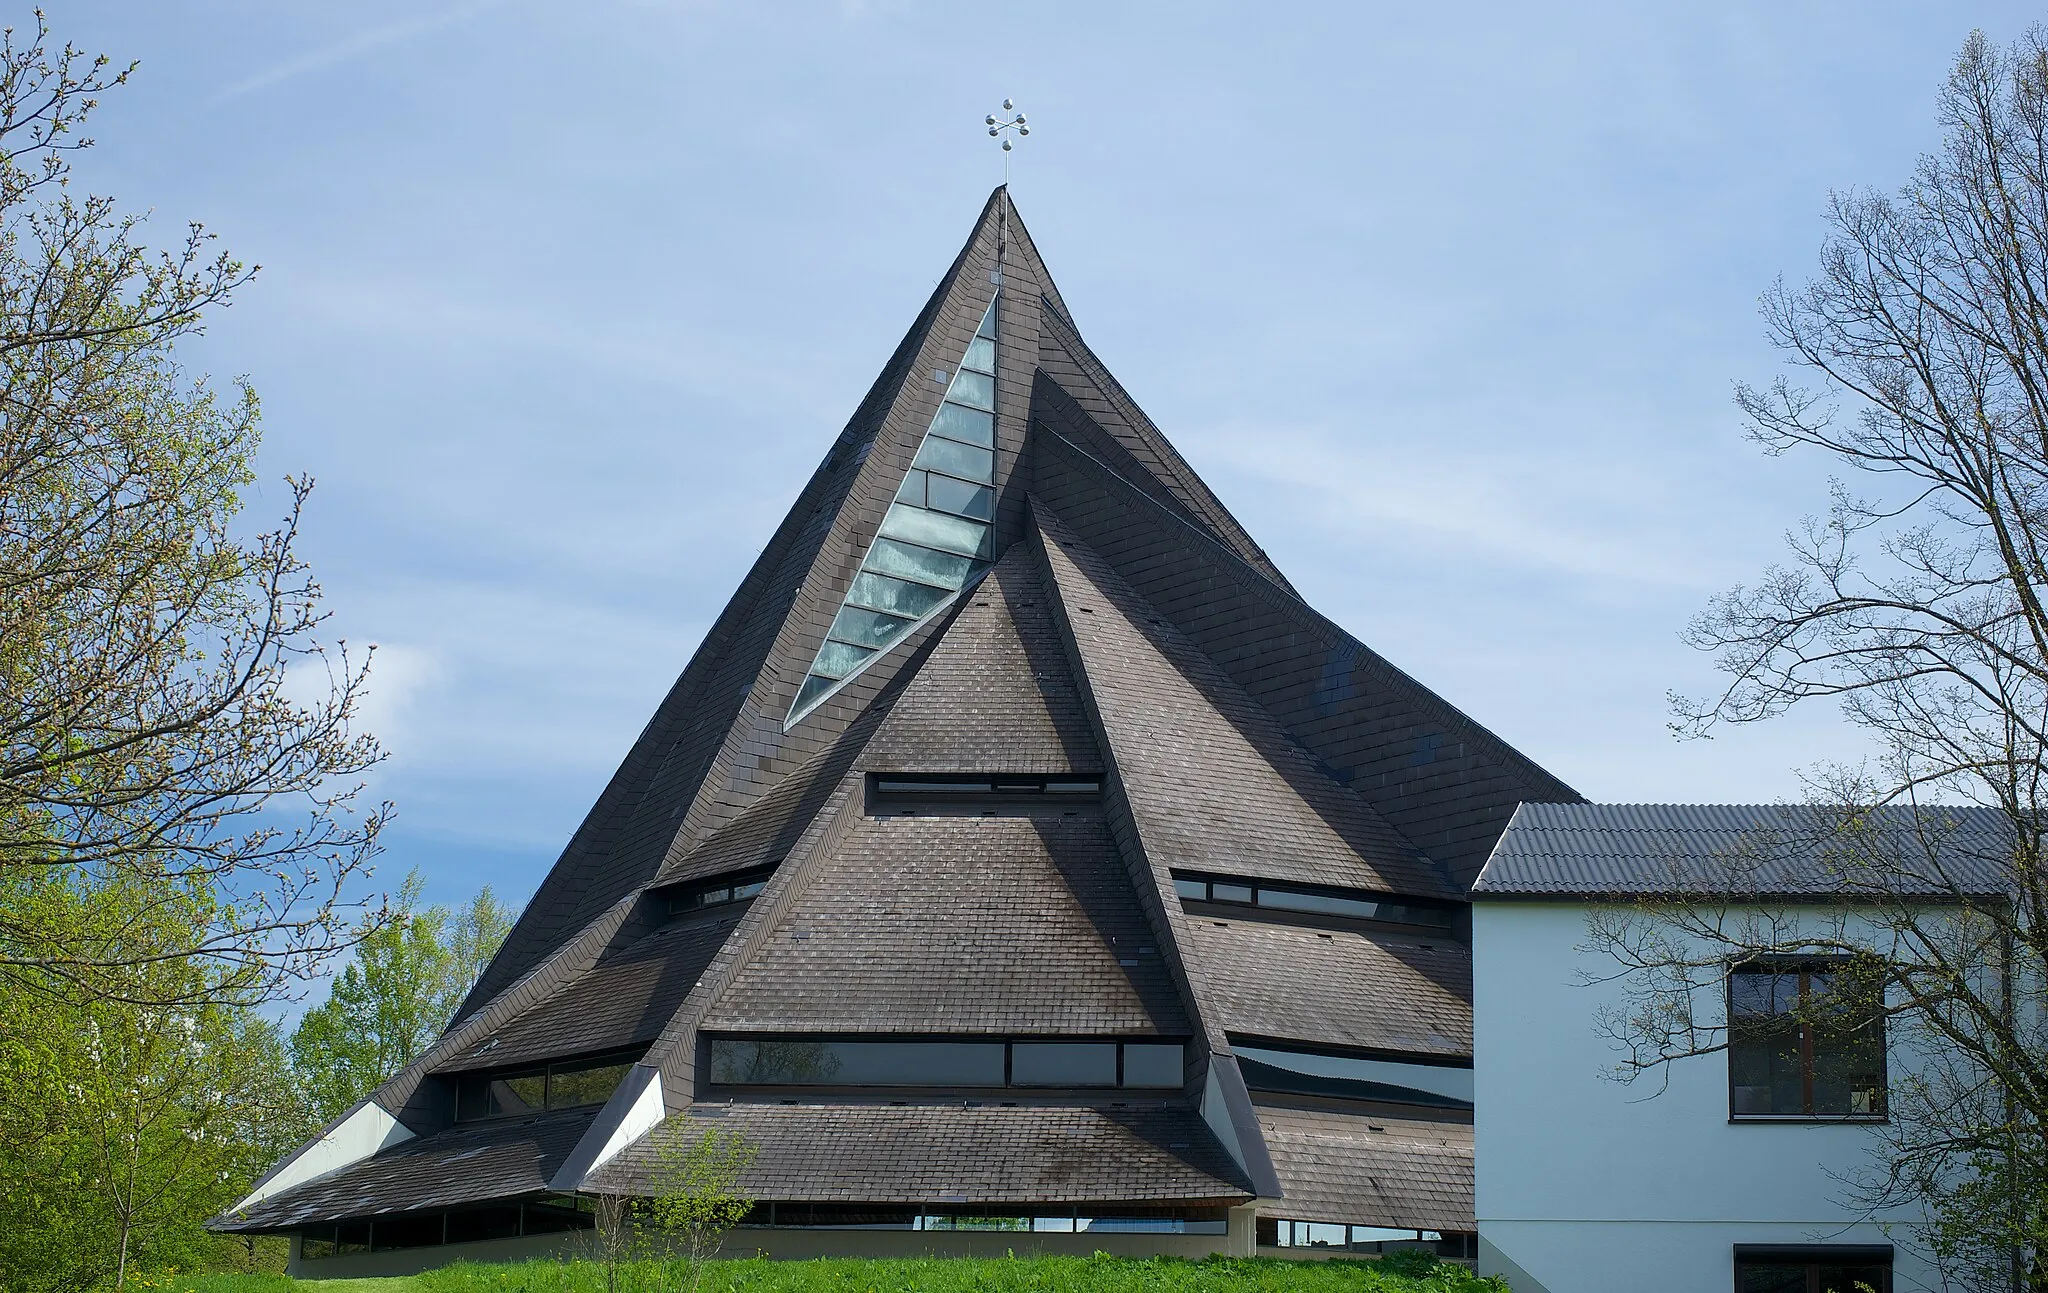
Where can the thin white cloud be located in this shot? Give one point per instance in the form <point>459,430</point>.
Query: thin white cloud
<point>355,46</point>
<point>1482,507</point>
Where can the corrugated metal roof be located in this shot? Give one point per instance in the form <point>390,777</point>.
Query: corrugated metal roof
<point>1748,850</point>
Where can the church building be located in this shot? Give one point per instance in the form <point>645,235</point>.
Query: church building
<point>1019,863</point>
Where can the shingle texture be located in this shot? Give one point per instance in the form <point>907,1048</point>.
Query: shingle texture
<point>961,924</point>
<point>1213,781</point>
<point>625,1000</point>
<point>1741,850</point>
<point>950,1153</point>
<point>503,1159</point>
<point>1440,778</point>
<point>996,694</point>
<point>1369,1170</point>
<point>766,832</point>
<point>1129,630</point>
<point>1337,987</point>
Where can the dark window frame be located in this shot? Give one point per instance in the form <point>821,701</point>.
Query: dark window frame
<point>721,890</point>
<point>1814,1257</point>
<point>1805,967</point>
<point>1185,884</point>
<point>1006,1041</point>
<point>912,794</point>
<point>546,1070</point>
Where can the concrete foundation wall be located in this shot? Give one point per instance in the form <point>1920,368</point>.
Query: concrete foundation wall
<point>794,1244</point>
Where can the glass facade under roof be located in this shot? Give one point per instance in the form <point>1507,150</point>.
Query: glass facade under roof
<point>938,534</point>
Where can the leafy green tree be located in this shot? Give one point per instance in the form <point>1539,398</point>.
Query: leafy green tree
<point>148,740</point>
<point>124,1125</point>
<point>475,934</point>
<point>699,1194</point>
<point>394,998</point>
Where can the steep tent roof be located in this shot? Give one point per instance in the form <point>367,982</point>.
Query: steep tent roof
<point>1006,681</point>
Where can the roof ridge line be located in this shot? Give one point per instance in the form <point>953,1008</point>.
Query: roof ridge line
<point>1450,714</point>
<point>1184,473</point>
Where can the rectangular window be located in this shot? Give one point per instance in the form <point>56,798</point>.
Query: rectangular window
<point>881,593</point>
<point>473,1225</point>
<point>1804,1041</point>
<point>797,1061</point>
<point>575,1084</point>
<point>728,888</point>
<point>918,565</point>
<point>1813,1268</point>
<point>892,793</point>
<point>1317,902</point>
<point>1063,1064</point>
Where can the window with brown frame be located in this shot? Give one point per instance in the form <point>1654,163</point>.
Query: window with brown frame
<point>1804,1041</point>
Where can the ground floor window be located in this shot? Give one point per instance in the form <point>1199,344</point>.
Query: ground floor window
<point>1278,1232</point>
<point>1813,1268</point>
<point>455,1226</point>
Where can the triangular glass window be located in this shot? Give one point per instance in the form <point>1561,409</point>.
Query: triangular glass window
<point>938,534</point>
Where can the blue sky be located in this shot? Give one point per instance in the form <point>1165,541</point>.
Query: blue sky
<point>562,303</point>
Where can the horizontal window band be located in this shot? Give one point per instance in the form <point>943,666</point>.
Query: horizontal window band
<point>1311,900</point>
<point>948,1062</point>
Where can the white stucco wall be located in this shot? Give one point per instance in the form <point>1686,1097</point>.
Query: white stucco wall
<point>1589,1186</point>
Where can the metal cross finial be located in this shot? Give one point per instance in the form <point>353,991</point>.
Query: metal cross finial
<point>1016,123</point>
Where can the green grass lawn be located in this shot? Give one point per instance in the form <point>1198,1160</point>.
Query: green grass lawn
<point>927,1275</point>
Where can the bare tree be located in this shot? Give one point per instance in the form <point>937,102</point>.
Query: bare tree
<point>168,713</point>
<point>1916,605</point>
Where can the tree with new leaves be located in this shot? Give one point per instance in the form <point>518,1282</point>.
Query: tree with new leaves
<point>148,738</point>
<point>1920,364</point>
<point>396,995</point>
<point>124,1125</point>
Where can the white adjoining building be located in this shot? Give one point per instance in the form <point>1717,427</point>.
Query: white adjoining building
<point>1717,1171</point>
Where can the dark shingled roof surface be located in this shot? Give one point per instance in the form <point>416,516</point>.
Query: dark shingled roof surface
<point>950,1153</point>
<point>1213,781</point>
<point>1747,850</point>
<point>626,999</point>
<point>1440,778</point>
<point>961,924</point>
<point>1370,1170</point>
<point>996,695</point>
<point>770,828</point>
<point>1337,987</point>
<point>501,1159</point>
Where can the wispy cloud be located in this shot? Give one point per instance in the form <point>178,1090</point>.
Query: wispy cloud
<point>353,47</point>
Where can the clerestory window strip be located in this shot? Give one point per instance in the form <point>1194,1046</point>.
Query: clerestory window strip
<point>937,535</point>
<point>1310,900</point>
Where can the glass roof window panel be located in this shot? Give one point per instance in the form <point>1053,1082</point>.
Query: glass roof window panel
<point>895,596</point>
<point>1063,1064</point>
<point>969,426</point>
<point>988,322</point>
<point>919,565</point>
<point>981,355</point>
<point>814,687</point>
<point>912,489</point>
<point>1321,904</point>
<point>867,628</point>
<point>1152,1066</point>
<point>976,390</point>
<point>837,659</point>
<point>959,497</point>
<point>937,530</point>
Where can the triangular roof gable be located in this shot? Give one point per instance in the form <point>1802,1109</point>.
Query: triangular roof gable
<point>996,694</point>
<point>964,923</point>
